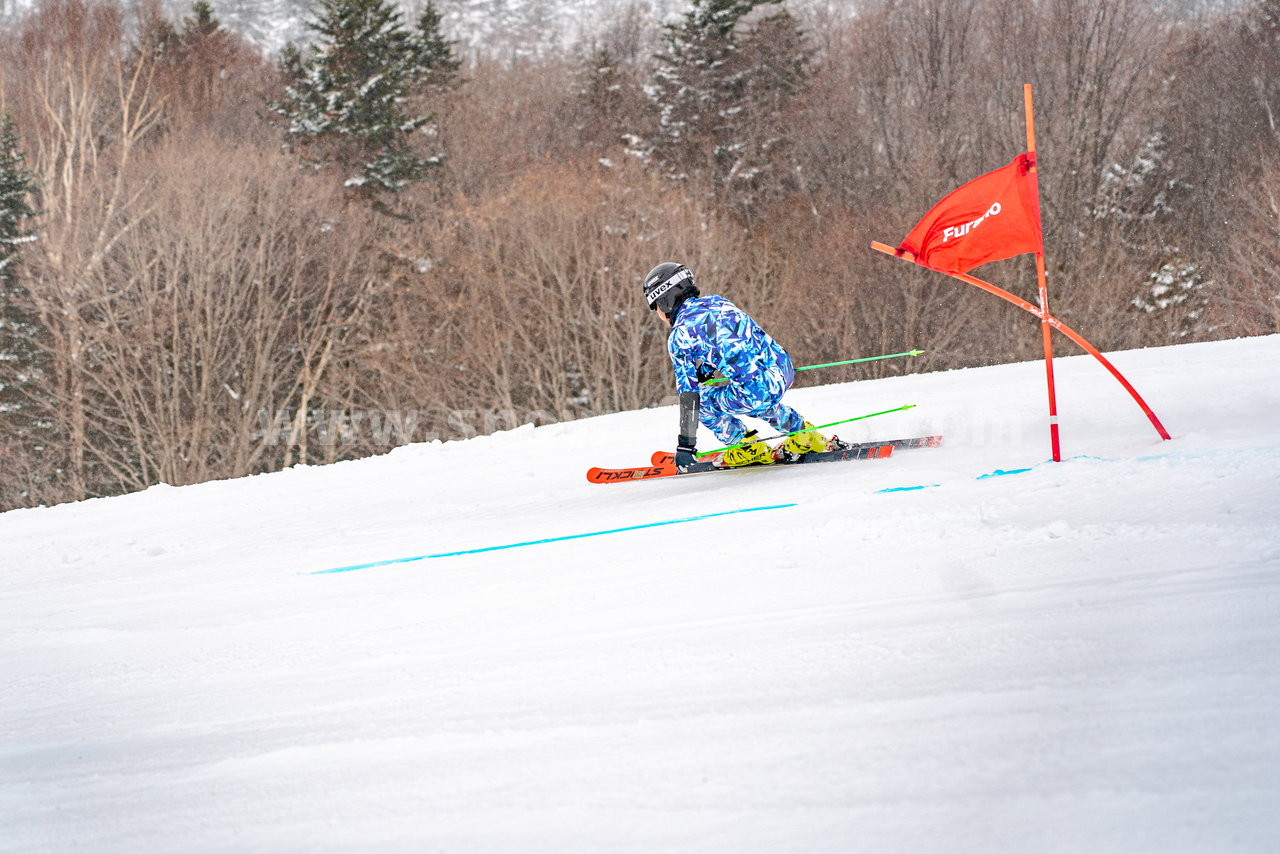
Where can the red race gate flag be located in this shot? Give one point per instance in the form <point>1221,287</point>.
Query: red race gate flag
<point>994,216</point>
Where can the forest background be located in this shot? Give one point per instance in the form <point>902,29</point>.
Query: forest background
<point>216,262</point>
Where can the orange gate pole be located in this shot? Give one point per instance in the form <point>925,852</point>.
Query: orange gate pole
<point>1046,331</point>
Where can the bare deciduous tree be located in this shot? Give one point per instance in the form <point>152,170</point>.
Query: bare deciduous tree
<point>1250,305</point>
<point>533,302</point>
<point>232,301</point>
<point>87,111</point>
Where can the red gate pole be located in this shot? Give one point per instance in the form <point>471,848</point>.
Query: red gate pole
<point>1046,331</point>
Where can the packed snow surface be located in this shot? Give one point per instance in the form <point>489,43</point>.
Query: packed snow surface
<point>961,649</point>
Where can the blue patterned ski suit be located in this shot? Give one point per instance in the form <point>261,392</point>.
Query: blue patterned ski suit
<point>714,332</point>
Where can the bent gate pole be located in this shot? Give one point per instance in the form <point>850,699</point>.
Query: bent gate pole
<point>1045,318</point>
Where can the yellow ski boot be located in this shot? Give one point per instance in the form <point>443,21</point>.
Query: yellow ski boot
<point>751,452</point>
<point>806,441</point>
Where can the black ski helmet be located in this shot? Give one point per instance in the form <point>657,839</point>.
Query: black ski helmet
<point>667,286</point>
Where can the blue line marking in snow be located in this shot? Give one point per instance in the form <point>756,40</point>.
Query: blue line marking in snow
<point>1001,473</point>
<point>548,540</point>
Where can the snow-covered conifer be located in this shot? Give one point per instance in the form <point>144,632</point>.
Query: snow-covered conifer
<point>20,356</point>
<point>434,53</point>
<point>347,99</point>
<point>720,88</point>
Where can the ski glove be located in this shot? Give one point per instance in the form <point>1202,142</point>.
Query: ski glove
<point>686,453</point>
<point>705,372</point>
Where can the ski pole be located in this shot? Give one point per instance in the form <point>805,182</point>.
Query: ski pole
<point>835,364</point>
<point>819,427</point>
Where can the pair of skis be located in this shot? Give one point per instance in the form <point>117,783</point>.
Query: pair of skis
<point>663,463</point>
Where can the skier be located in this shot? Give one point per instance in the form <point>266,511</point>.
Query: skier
<point>710,334</point>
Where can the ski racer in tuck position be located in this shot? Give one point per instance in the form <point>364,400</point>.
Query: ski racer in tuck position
<point>710,334</point>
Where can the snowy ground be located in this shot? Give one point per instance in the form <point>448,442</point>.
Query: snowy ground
<point>1079,657</point>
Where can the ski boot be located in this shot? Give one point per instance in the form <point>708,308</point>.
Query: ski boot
<point>750,452</point>
<point>806,441</point>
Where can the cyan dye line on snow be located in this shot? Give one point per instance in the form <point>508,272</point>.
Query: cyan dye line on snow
<point>1001,473</point>
<point>909,488</point>
<point>549,539</point>
<point>1004,472</point>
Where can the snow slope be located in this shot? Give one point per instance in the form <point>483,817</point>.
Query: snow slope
<point>1075,657</point>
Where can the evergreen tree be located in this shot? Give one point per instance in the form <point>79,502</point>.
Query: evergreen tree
<point>193,57</point>
<point>435,54</point>
<point>608,98</point>
<point>346,102</point>
<point>202,23</point>
<point>773,69</point>
<point>688,88</point>
<point>172,46</point>
<point>720,90</point>
<point>20,357</point>
<point>16,183</point>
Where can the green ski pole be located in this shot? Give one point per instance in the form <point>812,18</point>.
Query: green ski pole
<point>819,427</point>
<point>845,362</point>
